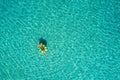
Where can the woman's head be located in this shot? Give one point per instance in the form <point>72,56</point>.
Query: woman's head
<point>40,45</point>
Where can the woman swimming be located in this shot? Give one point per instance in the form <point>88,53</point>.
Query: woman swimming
<point>43,48</point>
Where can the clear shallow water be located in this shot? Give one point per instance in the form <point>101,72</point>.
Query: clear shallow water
<point>83,40</point>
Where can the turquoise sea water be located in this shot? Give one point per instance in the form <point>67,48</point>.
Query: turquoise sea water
<point>83,39</point>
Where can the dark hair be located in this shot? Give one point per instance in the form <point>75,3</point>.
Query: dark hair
<point>43,41</point>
